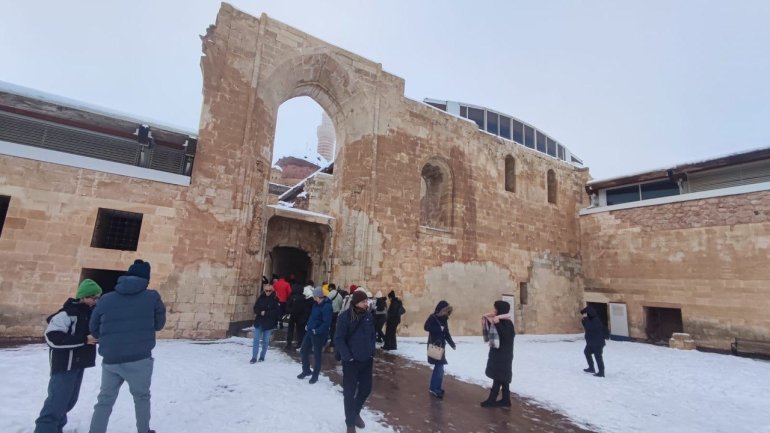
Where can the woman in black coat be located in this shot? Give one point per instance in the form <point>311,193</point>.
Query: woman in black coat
<point>500,361</point>
<point>437,326</point>
<point>395,310</point>
<point>266,312</point>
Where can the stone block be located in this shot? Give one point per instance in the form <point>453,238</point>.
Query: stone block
<point>682,341</point>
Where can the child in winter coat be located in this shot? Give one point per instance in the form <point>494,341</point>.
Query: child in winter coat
<point>72,350</point>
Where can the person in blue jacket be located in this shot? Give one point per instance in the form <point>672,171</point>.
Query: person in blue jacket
<point>317,331</point>
<point>354,343</point>
<point>125,321</point>
<point>594,334</point>
<point>437,326</point>
<point>72,350</point>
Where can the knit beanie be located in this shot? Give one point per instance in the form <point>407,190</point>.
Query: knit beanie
<point>140,268</point>
<point>88,288</point>
<point>318,292</point>
<point>357,297</point>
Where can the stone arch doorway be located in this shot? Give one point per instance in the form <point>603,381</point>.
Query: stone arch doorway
<point>288,261</point>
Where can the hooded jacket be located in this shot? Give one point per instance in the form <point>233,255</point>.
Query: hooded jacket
<point>500,360</point>
<point>437,326</point>
<point>320,318</point>
<point>125,321</point>
<point>354,337</point>
<point>66,335</point>
<point>594,328</point>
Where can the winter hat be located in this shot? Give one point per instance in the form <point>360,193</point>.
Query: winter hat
<point>353,288</point>
<point>318,292</point>
<point>140,269</point>
<point>502,307</point>
<point>357,297</point>
<point>392,294</point>
<point>88,288</point>
<point>308,292</point>
<point>379,294</point>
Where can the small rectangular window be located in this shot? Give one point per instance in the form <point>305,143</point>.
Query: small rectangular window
<point>529,137</point>
<point>561,152</point>
<point>441,107</point>
<point>541,141</point>
<point>492,121</point>
<point>659,189</point>
<point>5,201</point>
<point>625,194</point>
<point>464,111</point>
<point>517,131</point>
<point>477,116</point>
<point>505,127</point>
<point>551,147</point>
<point>523,295</point>
<point>117,230</point>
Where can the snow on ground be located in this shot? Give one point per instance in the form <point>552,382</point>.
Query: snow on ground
<point>647,388</point>
<point>196,388</point>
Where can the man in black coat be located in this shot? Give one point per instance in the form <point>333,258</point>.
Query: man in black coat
<point>266,315</point>
<point>594,334</point>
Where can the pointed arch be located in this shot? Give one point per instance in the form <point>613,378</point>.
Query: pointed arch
<point>436,194</point>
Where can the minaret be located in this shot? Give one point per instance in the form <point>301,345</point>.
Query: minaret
<point>326,137</point>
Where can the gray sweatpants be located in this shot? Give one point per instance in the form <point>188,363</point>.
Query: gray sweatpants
<point>138,374</point>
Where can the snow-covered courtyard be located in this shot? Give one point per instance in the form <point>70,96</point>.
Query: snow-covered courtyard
<point>210,387</point>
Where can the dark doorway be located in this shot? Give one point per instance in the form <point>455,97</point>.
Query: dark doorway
<point>105,278</point>
<point>292,261</point>
<point>662,323</point>
<point>602,311</point>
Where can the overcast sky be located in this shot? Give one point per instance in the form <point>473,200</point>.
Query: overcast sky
<point>625,85</point>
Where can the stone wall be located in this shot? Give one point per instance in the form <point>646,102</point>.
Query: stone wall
<point>708,257</point>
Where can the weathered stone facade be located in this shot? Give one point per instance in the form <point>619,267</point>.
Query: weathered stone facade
<point>208,242</point>
<point>707,257</point>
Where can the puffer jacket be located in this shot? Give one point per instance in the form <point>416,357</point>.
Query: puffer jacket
<point>125,321</point>
<point>66,335</point>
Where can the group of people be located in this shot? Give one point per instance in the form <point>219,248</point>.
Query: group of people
<point>123,323</point>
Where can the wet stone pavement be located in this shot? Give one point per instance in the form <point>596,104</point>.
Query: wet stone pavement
<point>400,392</point>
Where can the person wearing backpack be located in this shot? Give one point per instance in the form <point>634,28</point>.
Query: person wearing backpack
<point>395,311</point>
<point>72,349</point>
<point>355,345</point>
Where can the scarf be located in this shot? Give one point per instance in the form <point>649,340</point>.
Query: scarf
<point>488,330</point>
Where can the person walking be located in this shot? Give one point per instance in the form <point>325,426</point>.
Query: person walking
<point>393,319</point>
<point>594,335</point>
<point>72,349</point>
<point>125,321</point>
<point>315,338</point>
<point>354,344</point>
<point>437,326</point>
<point>380,315</point>
<point>266,312</point>
<point>336,299</point>
<point>498,331</point>
<point>296,307</point>
<point>282,292</point>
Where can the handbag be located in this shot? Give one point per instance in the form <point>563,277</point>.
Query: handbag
<point>435,352</point>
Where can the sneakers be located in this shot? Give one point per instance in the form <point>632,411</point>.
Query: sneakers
<point>313,379</point>
<point>261,359</point>
<point>438,394</point>
<point>360,422</point>
<point>599,374</point>
<point>589,370</point>
<point>253,360</point>
<point>303,375</point>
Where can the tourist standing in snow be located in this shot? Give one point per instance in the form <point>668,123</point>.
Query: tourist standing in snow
<point>498,331</point>
<point>380,315</point>
<point>316,334</point>
<point>125,322</point>
<point>437,326</point>
<point>395,311</point>
<point>336,299</point>
<point>71,350</point>
<point>266,315</point>
<point>594,334</point>
<point>298,309</point>
<point>282,292</point>
<point>354,343</point>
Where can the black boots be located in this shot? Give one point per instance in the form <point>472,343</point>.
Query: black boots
<point>505,400</point>
<point>492,399</point>
<point>599,374</point>
<point>589,370</point>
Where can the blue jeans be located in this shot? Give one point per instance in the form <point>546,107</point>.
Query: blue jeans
<point>138,374</point>
<point>63,390</point>
<point>316,344</point>
<point>264,337</point>
<point>437,377</point>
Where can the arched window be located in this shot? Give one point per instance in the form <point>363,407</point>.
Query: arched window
<point>436,195</point>
<point>510,174</point>
<point>551,184</point>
